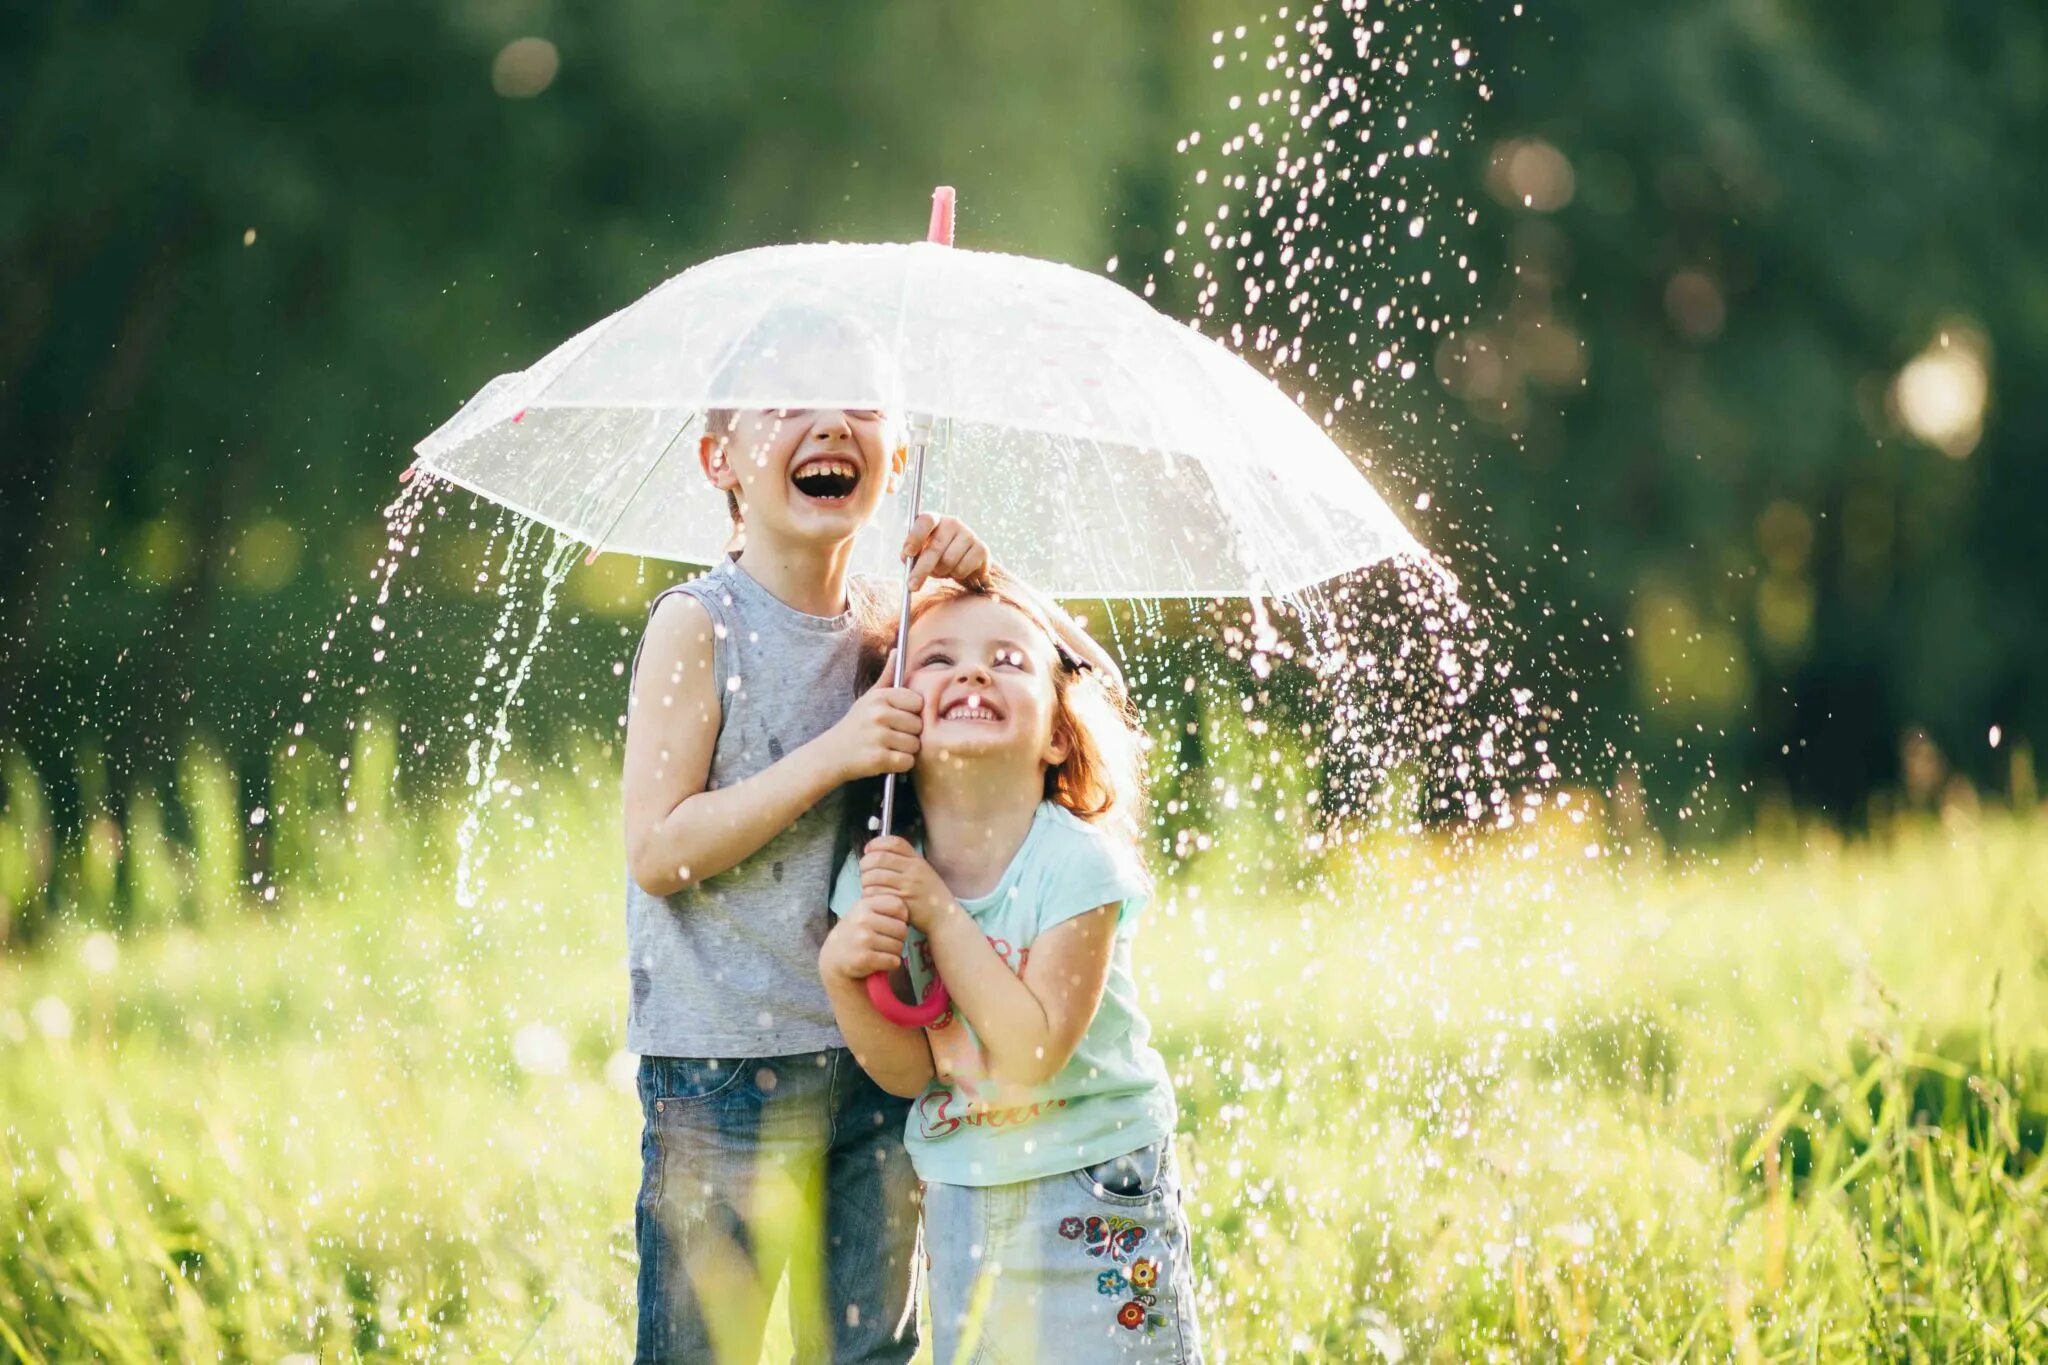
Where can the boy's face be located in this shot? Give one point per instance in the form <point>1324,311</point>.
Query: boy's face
<point>808,474</point>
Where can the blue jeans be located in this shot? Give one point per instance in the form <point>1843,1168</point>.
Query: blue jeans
<point>752,1166</point>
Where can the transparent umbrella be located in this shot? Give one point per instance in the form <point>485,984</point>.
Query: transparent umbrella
<point>1099,447</point>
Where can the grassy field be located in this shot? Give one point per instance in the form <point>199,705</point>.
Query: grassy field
<point>1513,1103</point>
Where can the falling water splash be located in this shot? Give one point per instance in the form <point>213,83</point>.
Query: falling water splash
<point>1334,139</point>
<point>401,518</point>
<point>1364,765</point>
<point>1320,238</point>
<point>1409,684</point>
<point>401,545</point>
<point>486,749</point>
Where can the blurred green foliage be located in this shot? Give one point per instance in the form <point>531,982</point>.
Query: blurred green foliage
<point>1758,1107</point>
<point>249,254</point>
<point>1774,208</point>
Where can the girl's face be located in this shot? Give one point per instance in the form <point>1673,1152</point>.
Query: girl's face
<point>985,671</point>
<point>807,473</point>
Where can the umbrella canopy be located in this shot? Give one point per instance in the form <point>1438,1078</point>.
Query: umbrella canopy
<point>1101,448</point>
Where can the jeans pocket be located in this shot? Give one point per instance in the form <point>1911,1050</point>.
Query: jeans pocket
<point>666,1082</point>
<point>677,1102</point>
<point>1129,1180</point>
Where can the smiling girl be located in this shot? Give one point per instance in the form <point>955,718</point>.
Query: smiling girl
<point>1043,1121</point>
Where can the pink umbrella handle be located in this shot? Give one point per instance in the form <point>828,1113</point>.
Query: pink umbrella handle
<point>921,1015</point>
<point>942,216</point>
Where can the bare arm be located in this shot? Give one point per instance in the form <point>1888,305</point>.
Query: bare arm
<point>945,548</point>
<point>867,940</point>
<point>1078,641</point>
<point>956,1055</point>
<point>898,1059</point>
<point>677,833</point>
<point>1029,1022</point>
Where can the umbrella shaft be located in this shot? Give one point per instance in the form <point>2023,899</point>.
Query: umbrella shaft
<point>921,439</point>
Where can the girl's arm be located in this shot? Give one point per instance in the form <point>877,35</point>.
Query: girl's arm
<point>1029,1022</point>
<point>1079,642</point>
<point>869,939</point>
<point>956,1056</point>
<point>677,833</point>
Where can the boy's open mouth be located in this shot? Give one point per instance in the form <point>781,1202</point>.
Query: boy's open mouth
<point>826,478</point>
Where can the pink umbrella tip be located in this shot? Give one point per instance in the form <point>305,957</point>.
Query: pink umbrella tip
<point>405,474</point>
<point>591,558</point>
<point>942,216</point>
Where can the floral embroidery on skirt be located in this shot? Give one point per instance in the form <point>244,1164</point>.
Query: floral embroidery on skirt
<point>1117,1238</point>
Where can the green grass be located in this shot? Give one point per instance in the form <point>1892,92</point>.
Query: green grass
<point>1513,1102</point>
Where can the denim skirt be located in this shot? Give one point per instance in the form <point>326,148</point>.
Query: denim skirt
<point>1091,1265</point>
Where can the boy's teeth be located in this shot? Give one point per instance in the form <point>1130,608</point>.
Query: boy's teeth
<point>830,477</point>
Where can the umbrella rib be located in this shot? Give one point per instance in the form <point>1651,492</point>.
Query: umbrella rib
<point>725,358</point>
<point>903,327</point>
<point>594,333</point>
<point>591,337</point>
<point>597,545</point>
<point>1157,447</point>
<point>1191,341</point>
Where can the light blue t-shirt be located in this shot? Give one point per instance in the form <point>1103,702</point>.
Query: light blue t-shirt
<point>1114,1095</point>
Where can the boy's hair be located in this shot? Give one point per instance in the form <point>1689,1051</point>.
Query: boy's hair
<point>1102,778</point>
<point>798,354</point>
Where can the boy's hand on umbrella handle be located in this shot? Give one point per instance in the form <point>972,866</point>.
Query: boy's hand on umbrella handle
<point>943,547</point>
<point>868,939</point>
<point>879,733</point>
<point>891,867</point>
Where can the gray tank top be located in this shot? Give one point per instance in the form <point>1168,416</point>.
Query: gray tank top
<point>729,968</point>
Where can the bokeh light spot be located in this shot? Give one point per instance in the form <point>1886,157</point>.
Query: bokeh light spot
<point>1693,303</point>
<point>1531,173</point>
<point>1941,393</point>
<point>524,67</point>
